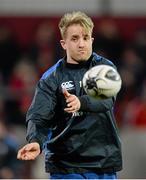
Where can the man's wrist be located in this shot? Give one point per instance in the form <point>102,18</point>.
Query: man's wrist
<point>35,140</point>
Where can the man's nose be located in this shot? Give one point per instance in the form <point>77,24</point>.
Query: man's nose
<point>81,43</point>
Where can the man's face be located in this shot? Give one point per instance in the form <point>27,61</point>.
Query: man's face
<point>77,44</point>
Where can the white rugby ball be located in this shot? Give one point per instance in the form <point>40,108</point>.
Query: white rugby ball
<point>102,81</point>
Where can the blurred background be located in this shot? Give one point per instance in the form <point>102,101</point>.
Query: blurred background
<point>29,45</point>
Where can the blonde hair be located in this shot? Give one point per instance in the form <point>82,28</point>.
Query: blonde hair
<point>75,17</point>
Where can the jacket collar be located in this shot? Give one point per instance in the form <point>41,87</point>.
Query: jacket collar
<point>80,65</point>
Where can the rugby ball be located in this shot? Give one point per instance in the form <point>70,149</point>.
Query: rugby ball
<point>102,81</point>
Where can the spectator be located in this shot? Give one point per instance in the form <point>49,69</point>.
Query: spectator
<point>108,41</point>
<point>132,70</point>
<point>42,50</point>
<point>132,74</point>
<point>9,52</point>
<point>133,134</point>
<point>22,83</point>
<point>140,43</point>
<point>135,112</point>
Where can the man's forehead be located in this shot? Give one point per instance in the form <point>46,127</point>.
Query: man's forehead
<point>74,30</point>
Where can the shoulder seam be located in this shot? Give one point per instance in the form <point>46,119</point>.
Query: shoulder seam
<point>51,70</point>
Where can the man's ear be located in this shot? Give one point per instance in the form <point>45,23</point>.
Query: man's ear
<point>92,40</point>
<point>62,42</point>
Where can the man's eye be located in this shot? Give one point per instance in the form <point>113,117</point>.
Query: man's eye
<point>86,38</point>
<point>74,39</point>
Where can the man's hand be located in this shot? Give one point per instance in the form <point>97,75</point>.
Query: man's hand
<point>73,102</point>
<point>29,151</point>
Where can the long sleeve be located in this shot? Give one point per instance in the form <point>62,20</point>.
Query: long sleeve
<point>91,104</point>
<point>40,115</point>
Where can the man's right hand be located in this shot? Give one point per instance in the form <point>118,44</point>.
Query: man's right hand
<point>29,151</point>
<point>73,102</point>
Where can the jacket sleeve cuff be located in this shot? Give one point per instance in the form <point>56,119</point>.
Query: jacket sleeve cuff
<point>84,104</point>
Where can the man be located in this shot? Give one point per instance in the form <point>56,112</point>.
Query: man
<point>77,133</point>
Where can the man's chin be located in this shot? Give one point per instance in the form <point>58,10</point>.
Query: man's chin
<point>81,59</point>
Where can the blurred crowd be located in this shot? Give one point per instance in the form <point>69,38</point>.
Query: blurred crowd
<point>21,68</point>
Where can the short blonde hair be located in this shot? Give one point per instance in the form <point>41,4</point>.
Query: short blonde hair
<point>75,17</point>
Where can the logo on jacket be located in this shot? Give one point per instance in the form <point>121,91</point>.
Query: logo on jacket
<point>68,85</point>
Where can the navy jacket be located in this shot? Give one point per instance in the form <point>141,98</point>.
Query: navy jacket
<point>85,142</point>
